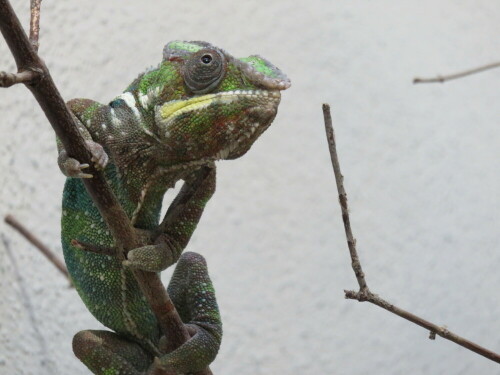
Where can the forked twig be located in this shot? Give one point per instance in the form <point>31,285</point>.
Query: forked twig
<point>364,294</point>
<point>29,74</point>
<point>442,79</point>
<point>49,254</point>
<point>25,76</point>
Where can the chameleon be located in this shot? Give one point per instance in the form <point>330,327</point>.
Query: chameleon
<point>172,123</point>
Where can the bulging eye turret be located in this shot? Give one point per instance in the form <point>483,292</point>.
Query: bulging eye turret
<point>204,70</point>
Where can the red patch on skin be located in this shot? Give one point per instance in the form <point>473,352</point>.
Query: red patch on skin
<point>221,124</point>
<point>175,58</point>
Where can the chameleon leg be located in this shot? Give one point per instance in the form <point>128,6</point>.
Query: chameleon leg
<point>71,167</point>
<point>106,353</point>
<point>193,294</point>
<point>178,225</point>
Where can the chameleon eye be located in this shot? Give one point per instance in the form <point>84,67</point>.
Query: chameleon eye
<point>206,59</point>
<point>204,70</point>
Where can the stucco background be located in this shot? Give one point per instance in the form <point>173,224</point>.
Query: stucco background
<point>421,166</point>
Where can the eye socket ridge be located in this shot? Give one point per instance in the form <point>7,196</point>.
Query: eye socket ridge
<point>204,70</point>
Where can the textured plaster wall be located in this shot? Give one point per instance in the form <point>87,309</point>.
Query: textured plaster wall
<point>421,166</point>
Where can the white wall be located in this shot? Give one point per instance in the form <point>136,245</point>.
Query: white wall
<point>421,167</point>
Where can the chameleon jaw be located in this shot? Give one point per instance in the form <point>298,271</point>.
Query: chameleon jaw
<point>168,112</point>
<point>216,138</point>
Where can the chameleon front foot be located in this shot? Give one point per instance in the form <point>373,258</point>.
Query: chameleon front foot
<point>154,258</point>
<point>73,168</point>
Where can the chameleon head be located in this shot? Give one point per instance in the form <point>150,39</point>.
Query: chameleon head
<point>219,104</point>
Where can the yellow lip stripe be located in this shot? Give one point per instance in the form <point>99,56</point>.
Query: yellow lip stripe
<point>178,107</point>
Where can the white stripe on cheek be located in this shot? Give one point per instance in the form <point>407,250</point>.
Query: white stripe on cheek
<point>129,99</point>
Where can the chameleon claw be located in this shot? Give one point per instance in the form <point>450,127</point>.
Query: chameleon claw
<point>82,174</point>
<point>99,156</point>
<point>103,161</point>
<point>72,167</point>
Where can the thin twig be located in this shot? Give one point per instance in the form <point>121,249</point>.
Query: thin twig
<point>351,241</point>
<point>431,327</point>
<point>442,79</point>
<point>35,24</point>
<point>54,107</point>
<point>364,294</point>
<point>49,254</point>
<point>26,77</point>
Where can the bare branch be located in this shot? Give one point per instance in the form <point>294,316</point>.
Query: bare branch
<point>9,219</point>
<point>364,294</point>
<point>51,102</point>
<point>351,241</point>
<point>433,328</point>
<point>442,79</point>
<point>35,24</point>
<point>26,77</point>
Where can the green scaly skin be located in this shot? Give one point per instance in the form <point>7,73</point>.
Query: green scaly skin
<point>172,123</point>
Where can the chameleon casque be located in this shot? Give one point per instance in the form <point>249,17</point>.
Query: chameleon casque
<point>199,105</point>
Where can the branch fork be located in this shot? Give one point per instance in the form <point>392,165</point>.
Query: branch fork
<point>364,294</point>
<point>28,77</point>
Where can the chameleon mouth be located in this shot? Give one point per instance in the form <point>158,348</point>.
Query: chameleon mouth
<point>168,112</point>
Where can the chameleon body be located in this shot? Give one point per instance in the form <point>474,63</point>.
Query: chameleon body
<point>172,123</point>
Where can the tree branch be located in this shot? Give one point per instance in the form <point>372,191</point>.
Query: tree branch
<point>442,79</point>
<point>51,102</point>
<point>364,294</point>
<point>351,241</point>
<point>35,24</point>
<point>433,328</point>
<point>9,219</point>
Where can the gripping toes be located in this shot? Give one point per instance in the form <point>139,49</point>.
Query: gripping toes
<point>99,156</point>
<point>154,258</point>
<point>73,168</point>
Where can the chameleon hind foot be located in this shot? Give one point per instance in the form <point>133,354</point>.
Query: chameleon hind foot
<point>107,353</point>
